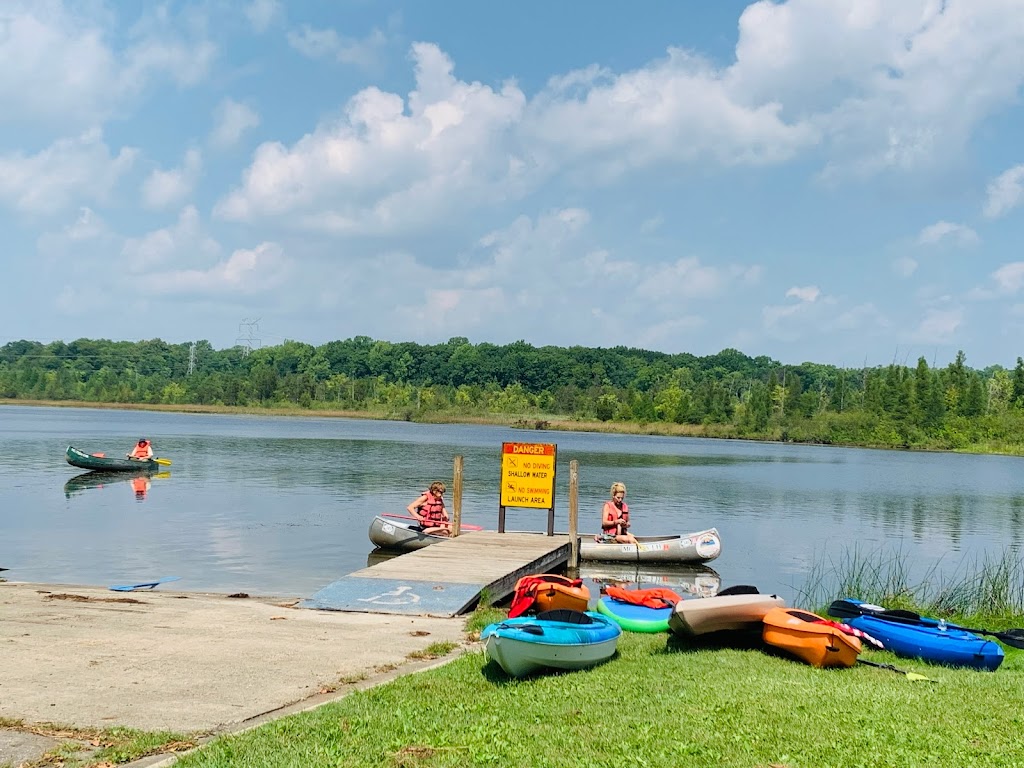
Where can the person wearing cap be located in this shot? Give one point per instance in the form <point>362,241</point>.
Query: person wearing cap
<point>143,450</point>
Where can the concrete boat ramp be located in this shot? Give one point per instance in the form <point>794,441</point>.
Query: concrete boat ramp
<point>446,578</point>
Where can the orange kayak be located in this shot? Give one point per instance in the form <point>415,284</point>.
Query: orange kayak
<point>809,637</point>
<point>548,592</point>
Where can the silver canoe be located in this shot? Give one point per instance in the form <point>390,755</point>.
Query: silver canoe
<point>691,618</point>
<point>696,547</point>
<point>400,535</point>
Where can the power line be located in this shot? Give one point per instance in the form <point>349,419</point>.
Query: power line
<point>247,330</point>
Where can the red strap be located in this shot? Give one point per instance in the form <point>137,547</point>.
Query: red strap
<point>847,629</point>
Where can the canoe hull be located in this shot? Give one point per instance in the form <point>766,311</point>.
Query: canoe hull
<point>819,645</point>
<point>400,535</point>
<point>698,547</point>
<point>83,460</point>
<point>558,646</point>
<point>950,647</point>
<point>692,618</point>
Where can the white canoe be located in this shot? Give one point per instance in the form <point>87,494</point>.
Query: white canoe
<point>696,547</point>
<point>700,616</point>
<point>400,535</point>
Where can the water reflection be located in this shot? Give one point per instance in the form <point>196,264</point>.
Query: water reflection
<point>140,482</point>
<point>378,556</point>
<point>693,580</point>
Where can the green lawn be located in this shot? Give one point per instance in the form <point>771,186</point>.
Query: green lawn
<point>657,703</point>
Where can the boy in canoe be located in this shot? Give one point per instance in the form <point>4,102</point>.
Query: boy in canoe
<point>429,509</point>
<point>143,450</point>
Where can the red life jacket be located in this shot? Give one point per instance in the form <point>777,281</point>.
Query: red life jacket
<point>613,526</point>
<point>655,597</point>
<point>527,587</point>
<point>432,509</point>
<point>142,451</point>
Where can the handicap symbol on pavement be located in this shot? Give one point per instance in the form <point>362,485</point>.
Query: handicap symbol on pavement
<point>398,592</point>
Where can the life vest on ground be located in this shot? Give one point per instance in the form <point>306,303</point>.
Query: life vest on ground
<point>655,597</point>
<point>613,526</point>
<point>432,509</point>
<point>548,591</point>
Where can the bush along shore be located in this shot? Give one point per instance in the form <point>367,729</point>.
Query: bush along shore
<point>728,395</point>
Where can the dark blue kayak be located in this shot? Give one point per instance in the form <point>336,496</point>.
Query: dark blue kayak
<point>925,639</point>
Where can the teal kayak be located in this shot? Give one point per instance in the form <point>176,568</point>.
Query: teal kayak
<point>558,639</point>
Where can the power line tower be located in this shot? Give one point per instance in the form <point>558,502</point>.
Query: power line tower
<point>247,330</point>
<point>191,358</point>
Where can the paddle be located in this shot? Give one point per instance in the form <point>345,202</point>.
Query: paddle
<point>897,670</point>
<point>465,526</point>
<point>163,462</point>
<point>144,584</point>
<point>847,610</point>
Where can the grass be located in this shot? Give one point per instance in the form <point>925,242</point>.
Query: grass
<point>658,703</point>
<point>83,747</point>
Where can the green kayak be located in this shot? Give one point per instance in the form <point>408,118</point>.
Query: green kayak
<point>77,458</point>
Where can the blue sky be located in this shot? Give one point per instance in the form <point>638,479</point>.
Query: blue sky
<point>837,181</point>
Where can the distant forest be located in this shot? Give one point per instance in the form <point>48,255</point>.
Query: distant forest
<point>725,395</point>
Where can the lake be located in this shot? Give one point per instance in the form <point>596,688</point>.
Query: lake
<point>281,505</point>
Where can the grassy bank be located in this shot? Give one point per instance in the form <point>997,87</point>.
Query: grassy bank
<point>659,702</point>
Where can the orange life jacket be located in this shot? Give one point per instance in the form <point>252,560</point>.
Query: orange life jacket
<point>142,451</point>
<point>432,509</point>
<point>655,597</point>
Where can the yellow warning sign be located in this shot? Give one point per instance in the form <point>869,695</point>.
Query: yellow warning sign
<point>528,475</point>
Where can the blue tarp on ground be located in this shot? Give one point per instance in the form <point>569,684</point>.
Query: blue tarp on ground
<point>353,593</point>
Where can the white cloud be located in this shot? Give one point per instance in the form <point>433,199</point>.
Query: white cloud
<point>58,65</point>
<point>165,188</point>
<point>1005,192</point>
<point>243,272</point>
<point>68,172</point>
<point>904,266</point>
<point>231,120</point>
<point>261,13</point>
<point>326,43</point>
<point>1009,278</point>
<point>944,231</point>
<point>181,244</point>
<point>888,86</point>
<point>808,293</point>
<point>938,326</point>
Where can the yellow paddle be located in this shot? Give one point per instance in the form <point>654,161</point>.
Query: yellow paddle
<point>163,462</point>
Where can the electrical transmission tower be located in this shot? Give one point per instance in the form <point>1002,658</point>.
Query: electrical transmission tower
<point>191,358</point>
<point>247,330</point>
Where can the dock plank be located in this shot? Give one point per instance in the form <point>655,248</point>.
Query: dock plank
<point>446,578</point>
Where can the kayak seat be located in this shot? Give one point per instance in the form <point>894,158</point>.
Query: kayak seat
<point>566,616</point>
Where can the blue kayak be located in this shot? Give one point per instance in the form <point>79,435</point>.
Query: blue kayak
<point>635,618</point>
<point>924,639</point>
<point>558,639</point>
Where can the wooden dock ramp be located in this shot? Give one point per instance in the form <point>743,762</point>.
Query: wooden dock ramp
<point>446,578</point>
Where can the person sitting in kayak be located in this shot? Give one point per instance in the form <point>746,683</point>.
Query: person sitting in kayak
<point>143,450</point>
<point>429,509</point>
<point>615,519</point>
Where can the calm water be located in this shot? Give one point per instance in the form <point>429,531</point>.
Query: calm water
<point>281,506</point>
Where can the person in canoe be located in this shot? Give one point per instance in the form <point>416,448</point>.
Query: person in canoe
<point>615,518</point>
<point>143,450</point>
<point>429,509</point>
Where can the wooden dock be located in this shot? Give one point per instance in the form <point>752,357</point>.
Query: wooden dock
<point>446,578</point>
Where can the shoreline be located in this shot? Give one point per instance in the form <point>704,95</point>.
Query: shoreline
<point>531,424</point>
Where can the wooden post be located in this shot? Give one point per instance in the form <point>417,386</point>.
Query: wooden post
<point>574,514</point>
<point>457,497</point>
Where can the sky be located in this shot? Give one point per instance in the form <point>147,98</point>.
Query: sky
<point>834,181</point>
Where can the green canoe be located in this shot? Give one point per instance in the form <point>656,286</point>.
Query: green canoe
<point>77,458</point>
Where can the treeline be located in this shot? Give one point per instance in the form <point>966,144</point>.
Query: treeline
<point>728,394</point>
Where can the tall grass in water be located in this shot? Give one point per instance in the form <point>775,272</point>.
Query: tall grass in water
<point>989,586</point>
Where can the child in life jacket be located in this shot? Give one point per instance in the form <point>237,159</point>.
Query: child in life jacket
<point>615,518</point>
<point>143,450</point>
<point>429,509</point>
